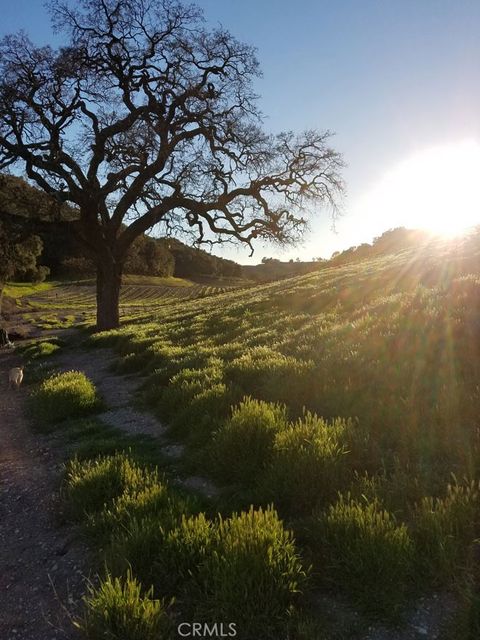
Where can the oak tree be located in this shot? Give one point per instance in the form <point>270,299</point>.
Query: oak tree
<point>145,116</point>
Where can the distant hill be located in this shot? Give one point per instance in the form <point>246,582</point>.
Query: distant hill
<point>272,269</point>
<point>392,241</point>
<point>65,256</point>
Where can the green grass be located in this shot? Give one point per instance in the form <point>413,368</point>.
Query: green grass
<point>118,608</point>
<point>252,428</point>
<point>62,396</point>
<point>97,484</point>
<point>132,279</point>
<point>156,280</point>
<point>40,349</point>
<point>443,530</point>
<point>254,577</point>
<point>308,465</point>
<point>245,567</point>
<point>361,549</point>
<point>21,289</point>
<point>376,364</point>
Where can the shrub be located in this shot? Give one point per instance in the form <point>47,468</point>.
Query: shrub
<point>308,464</point>
<point>361,549</point>
<point>117,609</point>
<point>165,552</point>
<point>184,386</point>
<point>443,529</point>
<point>41,350</point>
<point>108,483</point>
<point>184,550</point>
<point>204,413</point>
<point>253,577</point>
<point>243,446</point>
<point>64,395</point>
<point>244,569</point>
<point>272,376</point>
<point>151,499</point>
<point>134,361</point>
<point>138,545</point>
<point>106,339</point>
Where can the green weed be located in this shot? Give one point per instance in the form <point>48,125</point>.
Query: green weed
<point>118,609</point>
<point>63,395</point>
<point>243,446</point>
<point>360,548</point>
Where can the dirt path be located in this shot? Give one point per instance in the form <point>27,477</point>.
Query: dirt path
<point>117,391</point>
<point>42,563</point>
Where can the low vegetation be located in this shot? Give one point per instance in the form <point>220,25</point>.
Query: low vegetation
<point>164,558</point>
<point>251,428</point>
<point>360,548</point>
<point>177,552</point>
<point>343,405</point>
<point>119,609</point>
<point>361,379</point>
<point>61,396</point>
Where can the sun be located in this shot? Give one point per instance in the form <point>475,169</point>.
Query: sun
<point>437,189</point>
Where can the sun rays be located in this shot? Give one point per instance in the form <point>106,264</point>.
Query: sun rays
<point>435,189</point>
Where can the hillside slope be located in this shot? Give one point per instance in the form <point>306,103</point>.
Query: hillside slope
<point>356,403</point>
<point>392,340</point>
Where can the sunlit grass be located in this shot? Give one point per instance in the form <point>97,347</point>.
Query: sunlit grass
<point>20,289</point>
<point>362,379</point>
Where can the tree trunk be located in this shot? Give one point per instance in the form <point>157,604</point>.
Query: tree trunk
<point>109,280</point>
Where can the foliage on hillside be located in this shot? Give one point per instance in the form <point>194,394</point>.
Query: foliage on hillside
<point>32,210</point>
<point>377,364</point>
<point>19,252</point>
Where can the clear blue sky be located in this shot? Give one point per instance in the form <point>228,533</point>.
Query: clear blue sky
<point>391,78</point>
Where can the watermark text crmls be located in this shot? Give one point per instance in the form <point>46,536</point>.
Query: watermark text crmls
<point>207,630</point>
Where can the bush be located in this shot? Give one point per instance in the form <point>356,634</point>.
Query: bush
<point>443,529</point>
<point>109,483</point>
<point>270,375</point>
<point>204,413</point>
<point>361,549</point>
<point>184,386</point>
<point>41,350</point>
<point>308,464</point>
<point>243,446</point>
<point>151,499</point>
<point>244,569</point>
<point>118,610</point>
<point>253,577</point>
<point>64,395</point>
<point>184,551</point>
<point>137,546</point>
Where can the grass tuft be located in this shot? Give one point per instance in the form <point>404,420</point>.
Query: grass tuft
<point>63,395</point>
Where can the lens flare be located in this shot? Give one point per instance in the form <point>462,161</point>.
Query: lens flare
<point>437,189</point>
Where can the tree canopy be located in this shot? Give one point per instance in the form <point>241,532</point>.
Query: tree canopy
<point>147,117</point>
<point>19,251</point>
